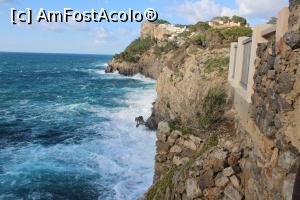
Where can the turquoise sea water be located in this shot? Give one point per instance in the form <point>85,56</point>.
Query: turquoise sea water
<point>67,129</point>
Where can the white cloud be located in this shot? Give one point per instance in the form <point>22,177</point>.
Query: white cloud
<point>101,35</point>
<point>204,10</point>
<point>260,8</point>
<point>201,10</point>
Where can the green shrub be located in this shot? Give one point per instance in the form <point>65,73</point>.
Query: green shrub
<point>200,39</point>
<point>161,21</point>
<point>219,64</point>
<point>199,26</point>
<point>135,49</point>
<point>213,107</point>
<point>232,34</point>
<point>176,125</point>
<point>237,19</point>
<point>164,48</point>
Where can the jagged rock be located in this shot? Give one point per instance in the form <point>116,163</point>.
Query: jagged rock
<point>195,139</point>
<point>286,160</point>
<point>163,127</point>
<point>287,186</point>
<point>235,181</point>
<point>206,179</point>
<point>162,147</point>
<point>271,74</point>
<point>190,145</point>
<point>180,161</point>
<point>192,189</point>
<point>285,83</point>
<point>292,39</point>
<point>228,171</point>
<point>294,3</point>
<point>171,140</point>
<point>161,136</point>
<point>232,193</point>
<point>218,160</point>
<point>212,193</point>
<point>221,180</point>
<point>161,158</point>
<point>151,122</point>
<point>176,149</point>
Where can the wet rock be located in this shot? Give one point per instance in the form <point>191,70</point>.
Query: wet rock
<point>232,193</point>
<point>192,189</point>
<point>151,122</point>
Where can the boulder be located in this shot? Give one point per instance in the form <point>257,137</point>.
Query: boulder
<point>232,193</point>
<point>228,171</point>
<point>192,189</point>
<point>221,180</point>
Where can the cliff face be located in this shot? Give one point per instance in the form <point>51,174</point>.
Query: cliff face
<point>204,151</point>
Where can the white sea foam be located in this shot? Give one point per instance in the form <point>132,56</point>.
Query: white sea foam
<point>123,155</point>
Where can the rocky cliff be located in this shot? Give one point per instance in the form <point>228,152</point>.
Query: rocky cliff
<point>203,150</point>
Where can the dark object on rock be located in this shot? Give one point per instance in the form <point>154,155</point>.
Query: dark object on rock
<point>139,121</point>
<point>296,192</point>
<point>292,39</point>
<point>151,123</point>
<point>109,69</point>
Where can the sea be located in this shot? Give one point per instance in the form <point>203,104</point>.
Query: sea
<point>68,132</point>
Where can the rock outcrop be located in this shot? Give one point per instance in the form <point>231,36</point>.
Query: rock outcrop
<point>203,150</point>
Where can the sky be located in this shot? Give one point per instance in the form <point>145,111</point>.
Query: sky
<point>111,38</point>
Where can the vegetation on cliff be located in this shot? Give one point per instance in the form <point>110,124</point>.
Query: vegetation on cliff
<point>133,52</point>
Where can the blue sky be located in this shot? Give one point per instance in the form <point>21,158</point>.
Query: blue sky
<point>110,38</point>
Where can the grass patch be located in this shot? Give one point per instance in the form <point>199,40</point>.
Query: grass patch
<point>213,107</point>
<point>219,64</point>
<point>135,49</point>
<point>176,125</point>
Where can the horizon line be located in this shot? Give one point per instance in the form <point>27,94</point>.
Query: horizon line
<point>56,53</point>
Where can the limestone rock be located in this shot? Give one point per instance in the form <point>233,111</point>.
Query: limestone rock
<point>192,189</point>
<point>221,180</point>
<point>235,181</point>
<point>163,127</point>
<point>228,171</point>
<point>286,160</point>
<point>176,149</point>
<point>190,145</point>
<point>232,193</point>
